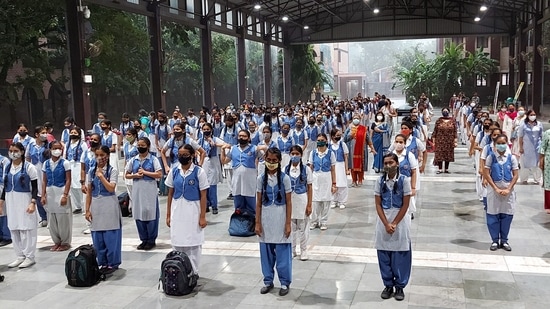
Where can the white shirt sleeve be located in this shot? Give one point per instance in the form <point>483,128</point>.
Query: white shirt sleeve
<point>309,175</point>
<point>203,180</point>
<point>66,165</point>
<point>407,186</point>
<point>412,160</point>
<point>32,172</point>
<point>113,177</point>
<point>156,164</point>
<point>287,184</point>
<point>332,158</point>
<point>169,181</point>
<point>345,147</point>
<point>129,164</point>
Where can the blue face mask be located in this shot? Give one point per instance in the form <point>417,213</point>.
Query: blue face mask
<point>501,147</point>
<point>295,159</point>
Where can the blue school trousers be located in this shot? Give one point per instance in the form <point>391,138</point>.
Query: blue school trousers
<point>245,203</point>
<point>148,231</point>
<point>499,227</point>
<point>108,245</point>
<point>4,230</point>
<point>212,197</point>
<point>395,267</point>
<point>276,255</point>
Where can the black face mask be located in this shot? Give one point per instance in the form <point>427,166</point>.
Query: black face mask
<point>75,137</point>
<point>207,133</point>
<point>178,134</point>
<point>142,149</point>
<point>104,128</point>
<point>137,127</point>
<point>337,138</point>
<point>94,144</point>
<point>184,160</point>
<point>243,141</point>
<point>486,127</point>
<point>23,134</point>
<point>311,123</point>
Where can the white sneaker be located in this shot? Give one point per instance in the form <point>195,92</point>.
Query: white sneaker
<point>28,262</point>
<point>304,256</point>
<point>323,226</point>
<point>16,262</point>
<point>342,206</point>
<point>294,254</point>
<point>86,231</point>
<point>333,205</point>
<point>43,223</point>
<point>313,226</point>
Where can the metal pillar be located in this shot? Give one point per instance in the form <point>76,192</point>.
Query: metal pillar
<point>206,61</point>
<point>268,84</point>
<point>155,55</point>
<point>79,92</point>
<point>241,66</point>
<point>512,68</point>
<point>287,82</point>
<point>522,69</point>
<point>538,69</point>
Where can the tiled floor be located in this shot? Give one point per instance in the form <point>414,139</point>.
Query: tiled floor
<point>452,266</point>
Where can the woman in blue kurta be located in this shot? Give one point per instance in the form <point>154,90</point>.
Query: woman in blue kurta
<point>103,211</point>
<point>273,222</point>
<point>392,192</point>
<point>380,141</point>
<point>144,169</point>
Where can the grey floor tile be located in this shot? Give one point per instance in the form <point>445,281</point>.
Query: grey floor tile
<point>339,271</point>
<point>451,278</point>
<point>533,287</point>
<point>443,297</point>
<point>327,289</point>
<point>491,290</point>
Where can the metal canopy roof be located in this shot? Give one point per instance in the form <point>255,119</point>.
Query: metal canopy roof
<point>349,20</point>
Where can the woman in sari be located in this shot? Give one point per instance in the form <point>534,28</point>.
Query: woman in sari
<point>380,139</point>
<point>357,138</point>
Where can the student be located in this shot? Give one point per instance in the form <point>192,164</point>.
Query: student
<point>322,161</point>
<point>300,180</point>
<point>144,169</point>
<point>87,163</point>
<point>284,142</point>
<point>268,142</point>
<point>341,152</point>
<point>109,139</point>
<point>171,147</point>
<point>96,128</point>
<point>130,151</point>
<point>501,172</point>
<point>243,163</point>
<point>73,152</point>
<point>186,205</point>
<point>273,222</point>
<point>37,153</point>
<point>5,236</point>
<point>103,212</point>
<point>22,136</point>
<point>392,194</point>
<point>212,165</point>
<point>19,202</point>
<point>56,184</point>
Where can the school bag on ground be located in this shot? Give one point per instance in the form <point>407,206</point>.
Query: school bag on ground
<point>81,267</point>
<point>176,274</point>
<point>124,203</point>
<point>242,224</point>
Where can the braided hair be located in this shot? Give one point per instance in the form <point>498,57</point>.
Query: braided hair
<point>297,148</point>
<point>106,150</point>
<point>383,187</point>
<point>277,153</point>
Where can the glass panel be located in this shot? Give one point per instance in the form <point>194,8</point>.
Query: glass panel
<point>173,6</point>
<point>230,20</point>
<point>224,68</point>
<point>277,85</point>
<point>134,1</point>
<point>218,9</point>
<point>190,4</point>
<point>254,52</point>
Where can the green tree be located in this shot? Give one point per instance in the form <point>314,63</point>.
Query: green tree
<point>305,72</point>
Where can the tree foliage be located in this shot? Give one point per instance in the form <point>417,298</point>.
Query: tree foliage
<point>453,70</point>
<point>306,73</point>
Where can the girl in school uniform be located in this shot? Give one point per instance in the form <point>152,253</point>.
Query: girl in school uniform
<point>408,164</point>
<point>171,147</point>
<point>19,201</point>
<point>56,184</point>
<point>88,162</point>
<point>299,135</point>
<point>501,173</point>
<point>284,142</point>
<point>37,153</point>
<point>144,169</point>
<point>322,161</point>
<point>273,222</point>
<point>268,142</point>
<point>212,165</point>
<point>186,205</point>
<point>340,149</point>
<point>22,136</point>
<point>74,150</point>
<point>300,180</point>
<point>103,212</point>
<point>109,139</point>
<point>392,194</point>
<point>130,151</point>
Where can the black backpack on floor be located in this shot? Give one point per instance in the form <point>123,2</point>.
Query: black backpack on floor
<point>81,267</point>
<point>124,203</point>
<point>176,274</point>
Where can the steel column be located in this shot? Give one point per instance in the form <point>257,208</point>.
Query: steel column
<point>155,55</point>
<point>538,68</point>
<point>268,68</point>
<point>522,68</point>
<point>79,92</point>
<point>241,68</point>
<point>206,61</point>
<point>512,68</point>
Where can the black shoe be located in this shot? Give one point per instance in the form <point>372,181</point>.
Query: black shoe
<point>387,293</point>
<point>109,270</point>
<point>284,290</point>
<point>506,247</point>
<point>399,294</point>
<point>77,211</point>
<point>5,242</point>
<point>141,246</point>
<point>266,289</point>
<point>412,216</point>
<point>494,246</point>
<point>214,211</point>
<point>149,246</point>
<point>207,209</point>
<point>230,197</point>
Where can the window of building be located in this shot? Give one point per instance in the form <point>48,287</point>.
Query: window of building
<point>482,42</point>
<point>505,42</point>
<point>481,81</point>
<point>322,57</point>
<point>504,79</point>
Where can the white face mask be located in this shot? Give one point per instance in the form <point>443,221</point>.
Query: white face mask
<point>399,146</point>
<point>521,113</point>
<point>14,155</point>
<point>379,118</point>
<point>56,152</point>
<point>532,118</point>
<point>355,121</point>
<point>472,104</point>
